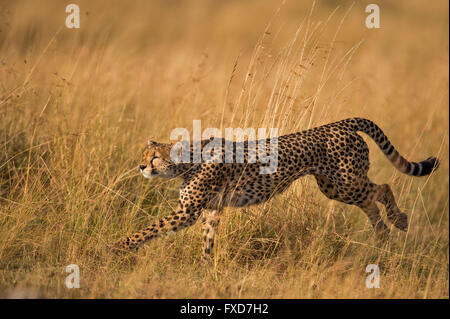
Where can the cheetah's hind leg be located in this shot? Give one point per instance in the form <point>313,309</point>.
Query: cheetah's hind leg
<point>364,200</point>
<point>394,215</point>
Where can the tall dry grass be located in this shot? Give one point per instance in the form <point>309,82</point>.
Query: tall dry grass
<point>77,106</point>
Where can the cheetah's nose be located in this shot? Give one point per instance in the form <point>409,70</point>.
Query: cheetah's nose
<point>142,167</point>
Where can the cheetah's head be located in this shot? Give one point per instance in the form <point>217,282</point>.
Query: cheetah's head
<point>156,161</point>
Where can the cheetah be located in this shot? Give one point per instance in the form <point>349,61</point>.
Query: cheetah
<point>334,154</point>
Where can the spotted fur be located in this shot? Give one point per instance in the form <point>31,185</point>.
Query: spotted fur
<point>334,154</point>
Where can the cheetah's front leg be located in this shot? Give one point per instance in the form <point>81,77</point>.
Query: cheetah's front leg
<point>194,196</point>
<point>210,222</point>
<point>180,219</point>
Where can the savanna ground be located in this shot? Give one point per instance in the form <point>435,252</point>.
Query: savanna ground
<point>78,105</point>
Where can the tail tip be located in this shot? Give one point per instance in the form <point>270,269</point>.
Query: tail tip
<point>429,165</point>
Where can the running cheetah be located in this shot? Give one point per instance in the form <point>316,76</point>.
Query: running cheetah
<point>334,154</point>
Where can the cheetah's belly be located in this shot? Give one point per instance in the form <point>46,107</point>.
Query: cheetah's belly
<point>238,197</point>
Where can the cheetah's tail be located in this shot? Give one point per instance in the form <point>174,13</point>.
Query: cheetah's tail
<point>411,168</point>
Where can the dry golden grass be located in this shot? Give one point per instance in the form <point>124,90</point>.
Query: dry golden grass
<point>77,106</point>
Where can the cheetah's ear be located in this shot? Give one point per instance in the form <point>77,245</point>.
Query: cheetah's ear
<point>151,143</point>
